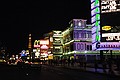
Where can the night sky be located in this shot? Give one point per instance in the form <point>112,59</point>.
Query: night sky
<point>20,17</point>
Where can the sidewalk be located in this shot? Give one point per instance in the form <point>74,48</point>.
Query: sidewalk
<point>89,69</point>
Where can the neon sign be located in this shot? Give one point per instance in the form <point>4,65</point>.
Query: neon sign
<point>106,28</point>
<point>95,20</point>
<point>111,36</point>
<point>108,46</point>
<point>44,42</point>
<point>44,47</point>
<point>37,43</point>
<point>106,7</point>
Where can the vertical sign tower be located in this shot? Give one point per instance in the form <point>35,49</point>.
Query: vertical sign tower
<point>95,20</point>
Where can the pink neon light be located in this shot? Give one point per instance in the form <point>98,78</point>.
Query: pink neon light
<point>44,47</point>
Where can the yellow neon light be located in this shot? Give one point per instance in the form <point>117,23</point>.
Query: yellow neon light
<point>106,28</point>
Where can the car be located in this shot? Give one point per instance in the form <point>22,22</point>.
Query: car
<point>3,61</point>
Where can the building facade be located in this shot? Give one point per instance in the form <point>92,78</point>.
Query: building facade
<point>77,41</point>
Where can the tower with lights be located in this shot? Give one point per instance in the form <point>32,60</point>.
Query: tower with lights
<point>30,45</point>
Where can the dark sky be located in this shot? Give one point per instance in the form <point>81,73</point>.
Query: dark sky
<point>20,17</point>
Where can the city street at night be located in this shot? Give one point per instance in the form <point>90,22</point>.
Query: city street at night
<point>60,40</point>
<point>50,73</point>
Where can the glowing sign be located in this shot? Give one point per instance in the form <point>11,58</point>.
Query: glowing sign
<point>44,47</point>
<point>108,46</point>
<point>37,43</point>
<point>111,36</point>
<point>95,20</point>
<point>106,28</point>
<point>110,6</point>
<point>44,42</point>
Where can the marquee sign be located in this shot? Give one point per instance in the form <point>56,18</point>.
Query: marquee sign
<point>108,46</point>
<point>108,6</point>
<point>95,20</point>
<point>44,42</point>
<point>102,39</point>
<point>111,36</point>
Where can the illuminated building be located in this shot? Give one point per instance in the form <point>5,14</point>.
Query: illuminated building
<point>49,36</point>
<point>77,39</point>
<point>44,46</point>
<point>56,44</point>
<point>67,41</point>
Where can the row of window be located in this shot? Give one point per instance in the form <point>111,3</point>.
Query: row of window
<point>78,34</point>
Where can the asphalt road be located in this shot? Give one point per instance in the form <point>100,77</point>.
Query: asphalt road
<point>49,73</point>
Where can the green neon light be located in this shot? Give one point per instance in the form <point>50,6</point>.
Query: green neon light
<point>96,23</point>
<point>97,17</point>
<point>96,2</point>
<point>97,35</point>
<point>97,38</point>
<point>97,9</point>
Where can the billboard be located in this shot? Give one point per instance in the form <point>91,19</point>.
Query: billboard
<point>44,42</point>
<point>106,37</point>
<point>110,17</point>
<point>110,12</point>
<point>108,6</point>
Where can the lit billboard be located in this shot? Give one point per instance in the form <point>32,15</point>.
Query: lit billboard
<point>105,34</point>
<point>44,42</point>
<point>108,6</point>
<point>110,13</point>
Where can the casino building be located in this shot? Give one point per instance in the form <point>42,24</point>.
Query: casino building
<point>77,41</point>
<point>73,42</point>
